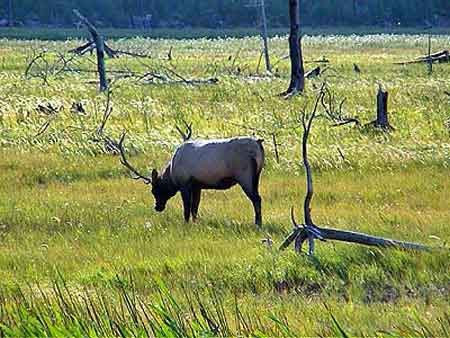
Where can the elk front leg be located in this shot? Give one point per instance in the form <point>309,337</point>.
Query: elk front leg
<point>196,193</point>
<point>186,195</point>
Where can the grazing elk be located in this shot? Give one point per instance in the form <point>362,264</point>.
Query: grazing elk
<point>206,164</point>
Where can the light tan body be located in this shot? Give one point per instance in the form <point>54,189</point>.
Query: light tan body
<point>209,162</point>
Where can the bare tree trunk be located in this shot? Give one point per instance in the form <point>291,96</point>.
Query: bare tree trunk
<point>264,36</point>
<point>297,84</point>
<point>100,48</point>
<point>10,13</point>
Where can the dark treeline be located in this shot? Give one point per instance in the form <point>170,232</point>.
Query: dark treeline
<point>225,13</point>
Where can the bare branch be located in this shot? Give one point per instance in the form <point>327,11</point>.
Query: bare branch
<point>107,113</point>
<point>84,48</point>
<point>309,183</point>
<point>44,127</point>
<point>334,114</point>
<point>49,111</point>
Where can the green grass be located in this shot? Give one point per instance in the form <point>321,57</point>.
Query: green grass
<point>84,254</point>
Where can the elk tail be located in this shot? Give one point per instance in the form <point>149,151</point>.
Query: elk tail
<point>260,144</point>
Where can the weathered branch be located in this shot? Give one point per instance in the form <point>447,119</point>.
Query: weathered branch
<point>35,58</point>
<point>107,113</point>
<point>352,237</point>
<point>347,121</point>
<point>275,148</point>
<point>360,238</point>
<point>49,111</point>
<point>84,48</point>
<point>44,127</point>
<point>335,114</point>
<point>315,72</point>
<point>307,124</point>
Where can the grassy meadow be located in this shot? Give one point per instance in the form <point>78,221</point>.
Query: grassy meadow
<point>83,253</point>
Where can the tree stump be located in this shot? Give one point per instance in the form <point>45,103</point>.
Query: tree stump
<point>382,121</point>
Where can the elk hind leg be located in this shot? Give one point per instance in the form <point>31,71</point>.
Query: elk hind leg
<point>196,193</point>
<point>249,183</point>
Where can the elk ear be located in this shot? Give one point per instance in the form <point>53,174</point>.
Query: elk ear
<point>154,175</point>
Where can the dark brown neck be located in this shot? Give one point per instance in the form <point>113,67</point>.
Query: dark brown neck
<point>166,178</point>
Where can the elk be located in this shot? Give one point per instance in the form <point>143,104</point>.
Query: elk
<point>205,164</point>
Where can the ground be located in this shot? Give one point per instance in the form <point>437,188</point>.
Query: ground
<point>84,253</point>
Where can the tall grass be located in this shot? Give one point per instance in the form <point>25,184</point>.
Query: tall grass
<point>60,310</point>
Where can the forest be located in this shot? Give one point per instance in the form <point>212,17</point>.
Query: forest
<point>225,13</point>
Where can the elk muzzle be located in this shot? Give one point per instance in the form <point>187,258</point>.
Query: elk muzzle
<point>160,207</point>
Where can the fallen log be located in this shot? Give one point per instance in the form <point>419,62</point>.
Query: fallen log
<point>439,57</point>
<point>434,55</point>
<point>325,234</point>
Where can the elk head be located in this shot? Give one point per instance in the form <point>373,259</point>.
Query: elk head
<point>162,189</point>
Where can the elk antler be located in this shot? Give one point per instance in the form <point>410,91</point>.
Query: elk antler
<point>125,162</point>
<point>185,136</point>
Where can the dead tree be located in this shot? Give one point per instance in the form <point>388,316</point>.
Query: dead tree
<point>297,84</point>
<point>100,49</point>
<point>309,231</point>
<point>264,35</point>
